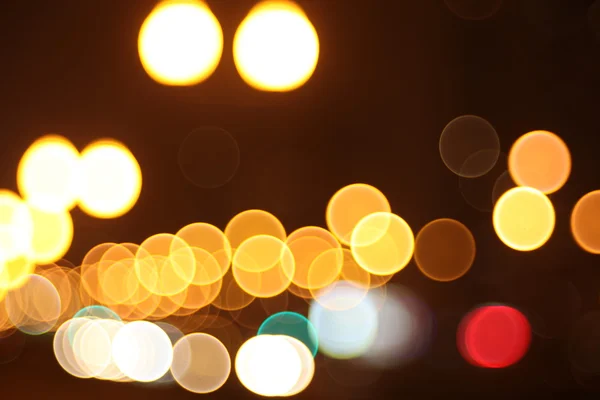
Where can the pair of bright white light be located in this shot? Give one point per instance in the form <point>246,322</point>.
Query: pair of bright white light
<point>274,365</point>
<point>275,48</point>
<point>104,180</point>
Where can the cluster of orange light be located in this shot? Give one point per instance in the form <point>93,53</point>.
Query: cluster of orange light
<point>176,277</point>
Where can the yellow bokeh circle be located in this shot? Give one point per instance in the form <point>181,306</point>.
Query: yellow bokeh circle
<point>180,43</point>
<point>524,218</point>
<point>276,47</point>
<point>110,179</point>
<point>382,243</point>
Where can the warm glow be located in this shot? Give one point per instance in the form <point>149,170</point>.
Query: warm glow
<point>585,222</point>
<point>111,180</point>
<point>524,218</point>
<point>52,235</point>
<point>382,243</point>
<point>540,160</point>
<point>48,174</point>
<point>276,48</point>
<point>180,43</point>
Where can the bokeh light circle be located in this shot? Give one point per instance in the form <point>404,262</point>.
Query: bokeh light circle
<point>344,332</point>
<point>16,226</point>
<point>276,47</point>
<point>48,174</point>
<point>292,324</point>
<point>180,42</point>
<point>110,179</point>
<point>268,365</point>
<point>142,351</point>
<point>382,243</point>
<point>473,139</point>
<point>494,336</point>
<point>308,366</point>
<point>201,363</point>
<point>444,250</point>
<point>524,218</point>
<point>209,157</point>
<point>404,331</point>
<point>349,205</point>
<point>585,222</point>
<point>540,160</point>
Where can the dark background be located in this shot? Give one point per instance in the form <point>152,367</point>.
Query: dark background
<point>391,75</point>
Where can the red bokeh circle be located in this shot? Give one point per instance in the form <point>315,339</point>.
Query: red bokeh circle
<point>494,336</point>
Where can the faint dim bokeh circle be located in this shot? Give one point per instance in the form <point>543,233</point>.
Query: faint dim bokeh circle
<point>478,192</point>
<point>180,42</point>
<point>209,157</point>
<point>201,363</point>
<point>469,146</point>
<point>585,222</point>
<point>276,47</point>
<point>47,175</point>
<point>474,9</point>
<point>494,336</point>
<point>444,250</point>
<point>540,160</point>
<point>110,180</point>
<point>524,218</point>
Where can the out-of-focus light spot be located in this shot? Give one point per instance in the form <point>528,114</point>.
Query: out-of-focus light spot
<point>15,272</point>
<point>201,363</point>
<point>92,348</point>
<point>585,222</point>
<point>469,146</point>
<point>268,365</point>
<point>444,250</point>
<point>180,43</point>
<point>91,312</point>
<point>16,227</point>
<point>308,366</point>
<point>404,331</point>
<point>478,192</point>
<point>63,350</point>
<point>212,251</point>
<point>349,205</point>
<point>174,335</point>
<point>251,223</point>
<point>382,243</point>
<point>494,336</point>
<point>276,48</point>
<point>35,307</point>
<point>524,218</point>
<point>292,324</point>
<point>318,257</point>
<point>165,264</point>
<point>263,266</point>
<point>110,180</point>
<point>540,160</point>
<point>474,9</point>
<point>47,175</point>
<point>52,235</point>
<point>344,333</point>
<point>142,351</point>
<point>209,157</point>
<point>502,185</point>
<point>232,296</point>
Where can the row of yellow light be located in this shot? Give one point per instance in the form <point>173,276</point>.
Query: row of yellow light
<point>275,48</point>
